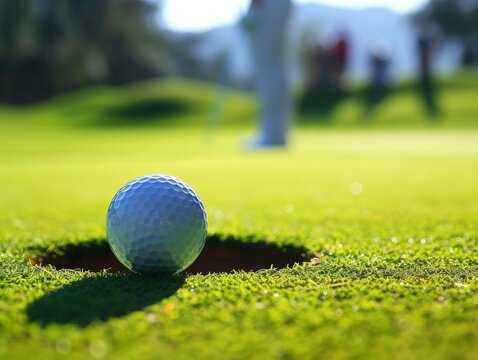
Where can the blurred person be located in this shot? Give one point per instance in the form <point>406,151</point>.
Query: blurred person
<point>325,90</point>
<point>266,22</point>
<point>324,63</point>
<point>425,44</point>
<point>380,65</point>
<point>340,54</point>
<point>379,85</point>
<point>308,55</point>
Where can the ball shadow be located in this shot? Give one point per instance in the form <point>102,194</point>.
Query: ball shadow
<point>101,298</point>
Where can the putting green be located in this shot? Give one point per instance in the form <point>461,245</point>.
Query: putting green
<point>389,209</point>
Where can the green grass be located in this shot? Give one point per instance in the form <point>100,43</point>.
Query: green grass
<point>390,207</point>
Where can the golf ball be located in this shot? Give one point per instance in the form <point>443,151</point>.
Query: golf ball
<point>156,224</point>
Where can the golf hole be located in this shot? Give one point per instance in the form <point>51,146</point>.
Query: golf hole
<point>218,256</point>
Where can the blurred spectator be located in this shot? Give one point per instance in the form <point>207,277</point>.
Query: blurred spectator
<point>339,51</point>
<point>326,74</point>
<point>425,50</point>
<point>380,65</point>
<point>266,22</point>
<point>328,63</point>
<point>320,74</point>
<point>378,89</point>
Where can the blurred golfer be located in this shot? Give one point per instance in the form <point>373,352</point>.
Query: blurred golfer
<point>266,23</point>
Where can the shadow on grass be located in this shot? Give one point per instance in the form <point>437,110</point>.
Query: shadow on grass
<point>102,298</point>
<point>143,111</point>
<point>119,292</point>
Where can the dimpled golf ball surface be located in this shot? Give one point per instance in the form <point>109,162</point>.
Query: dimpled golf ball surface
<point>156,224</point>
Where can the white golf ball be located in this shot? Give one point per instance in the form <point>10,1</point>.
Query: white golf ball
<point>156,224</point>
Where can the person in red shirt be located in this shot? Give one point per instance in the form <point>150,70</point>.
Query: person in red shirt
<point>340,54</point>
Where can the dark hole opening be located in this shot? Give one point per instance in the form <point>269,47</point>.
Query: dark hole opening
<point>218,255</point>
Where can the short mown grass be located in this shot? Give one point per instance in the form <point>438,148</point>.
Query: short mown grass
<point>390,208</point>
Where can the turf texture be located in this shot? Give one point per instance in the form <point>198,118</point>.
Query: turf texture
<point>389,207</point>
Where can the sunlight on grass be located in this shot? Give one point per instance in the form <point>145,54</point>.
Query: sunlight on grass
<point>390,214</point>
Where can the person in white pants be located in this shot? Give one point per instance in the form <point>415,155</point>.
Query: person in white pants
<point>266,23</point>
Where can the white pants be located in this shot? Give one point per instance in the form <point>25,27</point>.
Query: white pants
<point>267,43</point>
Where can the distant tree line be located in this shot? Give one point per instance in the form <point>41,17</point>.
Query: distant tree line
<point>455,20</point>
<point>49,46</point>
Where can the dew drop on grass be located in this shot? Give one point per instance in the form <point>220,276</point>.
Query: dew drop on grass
<point>356,188</point>
<point>98,349</point>
<point>289,209</point>
<point>19,223</point>
<point>63,346</point>
<point>151,318</point>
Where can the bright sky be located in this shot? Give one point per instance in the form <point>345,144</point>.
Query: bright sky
<point>194,15</point>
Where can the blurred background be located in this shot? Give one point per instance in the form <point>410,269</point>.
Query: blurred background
<point>368,51</point>
<point>52,46</point>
